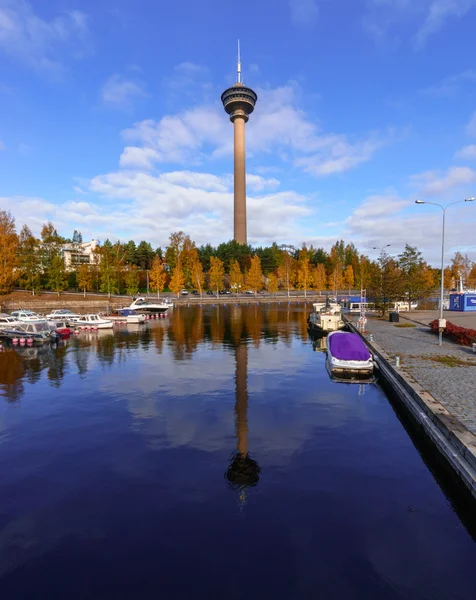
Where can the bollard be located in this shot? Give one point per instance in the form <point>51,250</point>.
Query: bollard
<point>397,362</point>
<point>474,348</point>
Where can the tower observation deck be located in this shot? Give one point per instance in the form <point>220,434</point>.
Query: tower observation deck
<point>239,102</point>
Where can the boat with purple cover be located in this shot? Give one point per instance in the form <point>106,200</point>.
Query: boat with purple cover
<point>348,356</point>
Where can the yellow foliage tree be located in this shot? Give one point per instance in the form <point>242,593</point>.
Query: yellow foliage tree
<point>216,273</point>
<point>236,276</point>
<point>157,276</point>
<point>254,277</point>
<point>85,278</point>
<point>272,283</point>
<point>303,273</point>
<point>8,251</point>
<point>349,277</point>
<point>196,270</point>
<point>336,280</point>
<point>178,279</point>
<point>319,277</point>
<point>286,270</point>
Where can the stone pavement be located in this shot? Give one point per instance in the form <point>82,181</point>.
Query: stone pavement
<point>453,386</point>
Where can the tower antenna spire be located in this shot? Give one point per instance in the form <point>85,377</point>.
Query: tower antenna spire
<point>239,64</point>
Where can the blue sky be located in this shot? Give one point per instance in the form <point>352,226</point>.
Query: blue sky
<point>111,119</point>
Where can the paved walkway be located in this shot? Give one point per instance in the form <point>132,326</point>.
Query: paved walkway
<point>453,386</point>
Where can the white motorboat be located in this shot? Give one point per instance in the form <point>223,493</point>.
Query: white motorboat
<point>8,322</point>
<point>327,317</point>
<point>37,331</point>
<point>93,322</point>
<point>26,316</point>
<point>62,314</point>
<point>135,319</point>
<point>143,305</point>
<point>348,356</point>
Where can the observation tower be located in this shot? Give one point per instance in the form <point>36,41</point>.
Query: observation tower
<point>239,102</point>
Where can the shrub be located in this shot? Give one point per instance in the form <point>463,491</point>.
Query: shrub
<point>460,335</point>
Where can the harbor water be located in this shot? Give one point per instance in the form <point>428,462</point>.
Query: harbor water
<point>209,455</point>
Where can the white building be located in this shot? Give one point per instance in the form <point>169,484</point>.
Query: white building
<point>79,254</point>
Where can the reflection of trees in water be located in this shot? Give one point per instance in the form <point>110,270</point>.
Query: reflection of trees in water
<point>302,326</point>
<point>11,374</point>
<point>185,331</point>
<point>56,360</point>
<point>243,471</point>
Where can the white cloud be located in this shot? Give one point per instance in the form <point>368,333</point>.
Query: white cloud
<point>433,183</point>
<point>451,85</point>
<point>467,153</point>
<point>151,206</point>
<point>337,155</point>
<point>278,127</point>
<point>39,43</point>
<point>304,12</point>
<point>427,17</point>
<point>390,219</point>
<point>438,13</point>
<point>2,146</point>
<point>119,92</point>
<point>471,126</point>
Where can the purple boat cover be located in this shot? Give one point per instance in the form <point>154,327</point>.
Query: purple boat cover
<point>348,346</point>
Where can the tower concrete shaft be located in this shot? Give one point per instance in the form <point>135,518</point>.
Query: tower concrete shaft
<point>239,223</point>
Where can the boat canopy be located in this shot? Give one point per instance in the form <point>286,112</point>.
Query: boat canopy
<point>347,346</point>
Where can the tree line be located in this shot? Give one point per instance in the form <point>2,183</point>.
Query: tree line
<point>114,267</point>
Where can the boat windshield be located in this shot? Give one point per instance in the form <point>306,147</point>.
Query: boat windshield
<point>41,326</point>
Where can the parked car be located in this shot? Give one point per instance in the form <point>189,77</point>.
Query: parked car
<point>210,293</point>
<point>194,292</point>
<point>184,293</point>
<point>249,292</point>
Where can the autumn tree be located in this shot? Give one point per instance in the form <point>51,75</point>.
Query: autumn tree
<point>236,276</point>
<point>417,279</point>
<point>132,281</point>
<point>178,279</point>
<point>57,275</point>
<point>471,279</point>
<point>8,252</point>
<point>29,259</point>
<point>108,279</point>
<point>216,273</point>
<point>272,283</point>
<point>335,280</point>
<point>304,279</point>
<point>254,277</point>
<point>85,278</point>
<point>196,270</point>
<point>286,270</point>
<point>385,281</point>
<point>349,277</point>
<point>319,277</point>
<point>157,275</point>
<point>460,268</point>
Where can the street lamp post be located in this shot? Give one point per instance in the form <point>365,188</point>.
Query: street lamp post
<point>441,321</point>
<point>382,248</point>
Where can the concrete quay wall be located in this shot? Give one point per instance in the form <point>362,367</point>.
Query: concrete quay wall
<point>453,441</point>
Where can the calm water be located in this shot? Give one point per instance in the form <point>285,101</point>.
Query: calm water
<point>208,455</point>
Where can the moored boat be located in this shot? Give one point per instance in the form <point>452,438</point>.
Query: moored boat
<point>62,314</point>
<point>38,331</point>
<point>27,316</point>
<point>8,322</point>
<point>143,305</point>
<point>326,318</point>
<point>93,322</point>
<point>348,356</point>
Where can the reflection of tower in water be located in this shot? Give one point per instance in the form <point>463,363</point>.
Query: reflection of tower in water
<point>243,472</point>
